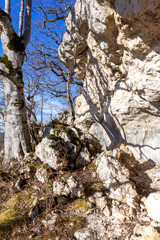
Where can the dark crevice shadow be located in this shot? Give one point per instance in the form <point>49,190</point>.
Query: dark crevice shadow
<point>141,179</point>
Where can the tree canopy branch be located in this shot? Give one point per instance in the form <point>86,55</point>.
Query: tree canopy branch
<point>21,19</point>
<point>27,23</point>
<point>8,7</point>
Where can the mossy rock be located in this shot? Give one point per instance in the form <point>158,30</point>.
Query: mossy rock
<point>62,127</point>
<point>53,137</point>
<point>90,188</point>
<point>72,136</point>
<point>81,205</point>
<point>67,226</point>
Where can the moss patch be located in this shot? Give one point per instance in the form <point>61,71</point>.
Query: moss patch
<point>65,226</point>
<point>52,137</point>
<point>14,71</point>
<point>13,214</point>
<point>71,135</point>
<point>6,62</point>
<point>90,188</point>
<point>81,205</point>
<point>1,29</point>
<point>16,44</point>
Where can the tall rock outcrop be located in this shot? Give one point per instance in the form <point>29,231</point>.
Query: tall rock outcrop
<point>114,47</point>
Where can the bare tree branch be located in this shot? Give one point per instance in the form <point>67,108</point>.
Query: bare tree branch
<point>27,23</point>
<point>8,7</point>
<point>31,112</point>
<point>21,19</point>
<point>70,99</point>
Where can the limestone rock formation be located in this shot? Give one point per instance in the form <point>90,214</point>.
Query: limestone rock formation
<point>153,205</point>
<point>113,46</point>
<point>115,178</point>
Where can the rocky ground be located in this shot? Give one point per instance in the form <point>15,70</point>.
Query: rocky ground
<point>73,188</point>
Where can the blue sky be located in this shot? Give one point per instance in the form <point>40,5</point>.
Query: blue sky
<point>57,105</point>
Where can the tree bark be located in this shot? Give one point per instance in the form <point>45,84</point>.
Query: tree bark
<point>21,19</point>
<point>17,138</point>
<point>70,99</point>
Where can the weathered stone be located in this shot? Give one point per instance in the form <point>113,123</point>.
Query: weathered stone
<point>47,154</point>
<point>144,233</point>
<point>50,221</point>
<point>60,145</point>
<point>115,50</point>
<point>41,174</point>
<point>152,204</point>
<point>84,158</point>
<point>25,172</point>
<point>101,202</point>
<point>83,118</point>
<point>115,178</point>
<point>119,213</point>
<point>67,186</point>
<point>85,234</point>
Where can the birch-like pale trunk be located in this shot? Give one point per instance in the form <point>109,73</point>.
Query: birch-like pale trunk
<point>17,139</point>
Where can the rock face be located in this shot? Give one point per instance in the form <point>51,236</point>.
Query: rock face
<point>115,178</point>
<point>153,205</point>
<point>113,46</point>
<point>67,186</point>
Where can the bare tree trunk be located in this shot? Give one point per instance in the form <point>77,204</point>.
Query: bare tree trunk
<point>69,99</point>
<point>42,101</point>
<point>17,139</point>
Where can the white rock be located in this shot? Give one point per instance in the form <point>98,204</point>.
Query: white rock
<point>144,233</point>
<point>107,212</point>
<point>116,179</point>
<point>50,221</point>
<point>41,174</point>
<point>85,234</point>
<point>67,186</point>
<point>119,64</point>
<point>152,204</point>
<point>101,202</point>
<point>84,158</point>
<point>47,154</point>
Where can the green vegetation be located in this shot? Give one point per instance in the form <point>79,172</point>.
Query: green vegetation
<point>66,226</point>
<point>81,205</point>
<point>1,29</point>
<point>6,62</point>
<point>71,135</point>
<point>13,214</point>
<point>14,71</point>
<point>31,154</point>
<point>93,187</point>
<point>75,224</point>
<point>52,137</point>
